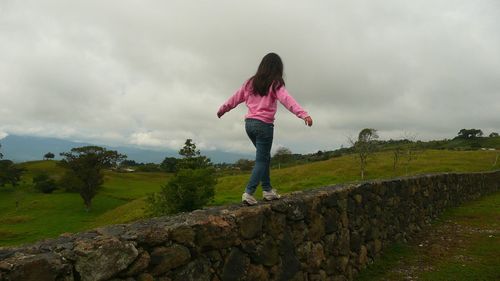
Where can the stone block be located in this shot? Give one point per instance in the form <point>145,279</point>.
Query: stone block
<point>250,222</point>
<point>198,269</point>
<point>140,264</point>
<point>316,228</point>
<point>164,259</point>
<point>103,258</point>
<point>236,265</point>
<point>183,234</point>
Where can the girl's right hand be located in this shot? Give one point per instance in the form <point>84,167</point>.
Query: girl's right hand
<point>308,120</point>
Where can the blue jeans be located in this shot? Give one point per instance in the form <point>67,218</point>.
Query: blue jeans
<point>261,135</point>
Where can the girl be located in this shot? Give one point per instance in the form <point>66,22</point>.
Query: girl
<point>260,93</point>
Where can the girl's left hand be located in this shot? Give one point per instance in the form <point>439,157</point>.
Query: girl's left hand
<point>308,120</point>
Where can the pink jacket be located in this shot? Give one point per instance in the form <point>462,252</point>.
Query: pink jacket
<point>262,108</point>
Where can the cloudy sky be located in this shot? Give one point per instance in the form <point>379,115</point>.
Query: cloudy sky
<point>153,73</point>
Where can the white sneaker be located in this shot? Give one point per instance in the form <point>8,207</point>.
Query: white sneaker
<point>248,199</point>
<point>271,195</point>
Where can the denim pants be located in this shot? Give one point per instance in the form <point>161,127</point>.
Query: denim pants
<point>261,135</point>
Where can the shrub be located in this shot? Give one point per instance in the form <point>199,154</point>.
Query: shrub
<point>189,189</point>
<point>44,183</point>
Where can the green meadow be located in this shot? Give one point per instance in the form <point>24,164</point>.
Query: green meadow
<point>463,244</point>
<point>27,215</point>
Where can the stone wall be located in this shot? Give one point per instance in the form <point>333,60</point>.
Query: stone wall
<point>328,233</point>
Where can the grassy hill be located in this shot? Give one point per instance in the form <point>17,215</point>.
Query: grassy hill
<point>121,199</point>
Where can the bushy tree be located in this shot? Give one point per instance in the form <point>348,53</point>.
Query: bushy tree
<point>282,155</point>
<point>9,173</point>
<point>44,183</point>
<point>245,164</point>
<point>192,187</point>
<point>493,135</point>
<point>169,164</point>
<point>70,182</point>
<point>87,163</point>
<point>129,163</point>
<point>49,155</point>
<point>469,133</point>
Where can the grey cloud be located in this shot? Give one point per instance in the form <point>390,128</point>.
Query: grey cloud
<point>153,74</point>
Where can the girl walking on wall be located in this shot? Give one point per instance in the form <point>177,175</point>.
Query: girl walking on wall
<point>261,93</point>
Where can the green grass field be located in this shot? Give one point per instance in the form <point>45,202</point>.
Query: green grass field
<point>462,245</point>
<point>121,199</point>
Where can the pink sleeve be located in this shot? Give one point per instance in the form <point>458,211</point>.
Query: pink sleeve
<point>234,100</point>
<point>290,103</point>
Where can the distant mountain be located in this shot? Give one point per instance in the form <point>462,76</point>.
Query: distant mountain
<point>28,148</point>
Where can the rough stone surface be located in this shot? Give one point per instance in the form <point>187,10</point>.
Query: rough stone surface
<point>235,266</point>
<point>266,252</point>
<point>329,233</point>
<point>46,266</point>
<point>250,223</point>
<point>198,269</point>
<point>103,258</point>
<point>257,273</point>
<point>165,258</point>
<point>140,264</point>
<point>184,235</point>
<point>145,277</point>
<point>215,233</point>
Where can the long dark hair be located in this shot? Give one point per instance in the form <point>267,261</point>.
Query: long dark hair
<point>270,72</point>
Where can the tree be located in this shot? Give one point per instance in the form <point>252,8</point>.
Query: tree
<point>9,173</point>
<point>189,149</point>
<point>129,163</point>
<point>70,182</point>
<point>364,147</point>
<point>469,133</point>
<point>49,155</point>
<point>410,150</point>
<point>493,135</point>
<point>245,164</point>
<point>1,155</point>
<point>396,156</point>
<point>282,155</point>
<point>191,188</point>
<point>192,158</point>
<point>87,163</point>
<point>44,183</point>
<point>169,164</point>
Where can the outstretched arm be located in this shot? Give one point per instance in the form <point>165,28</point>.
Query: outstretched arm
<point>233,101</point>
<point>293,106</point>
